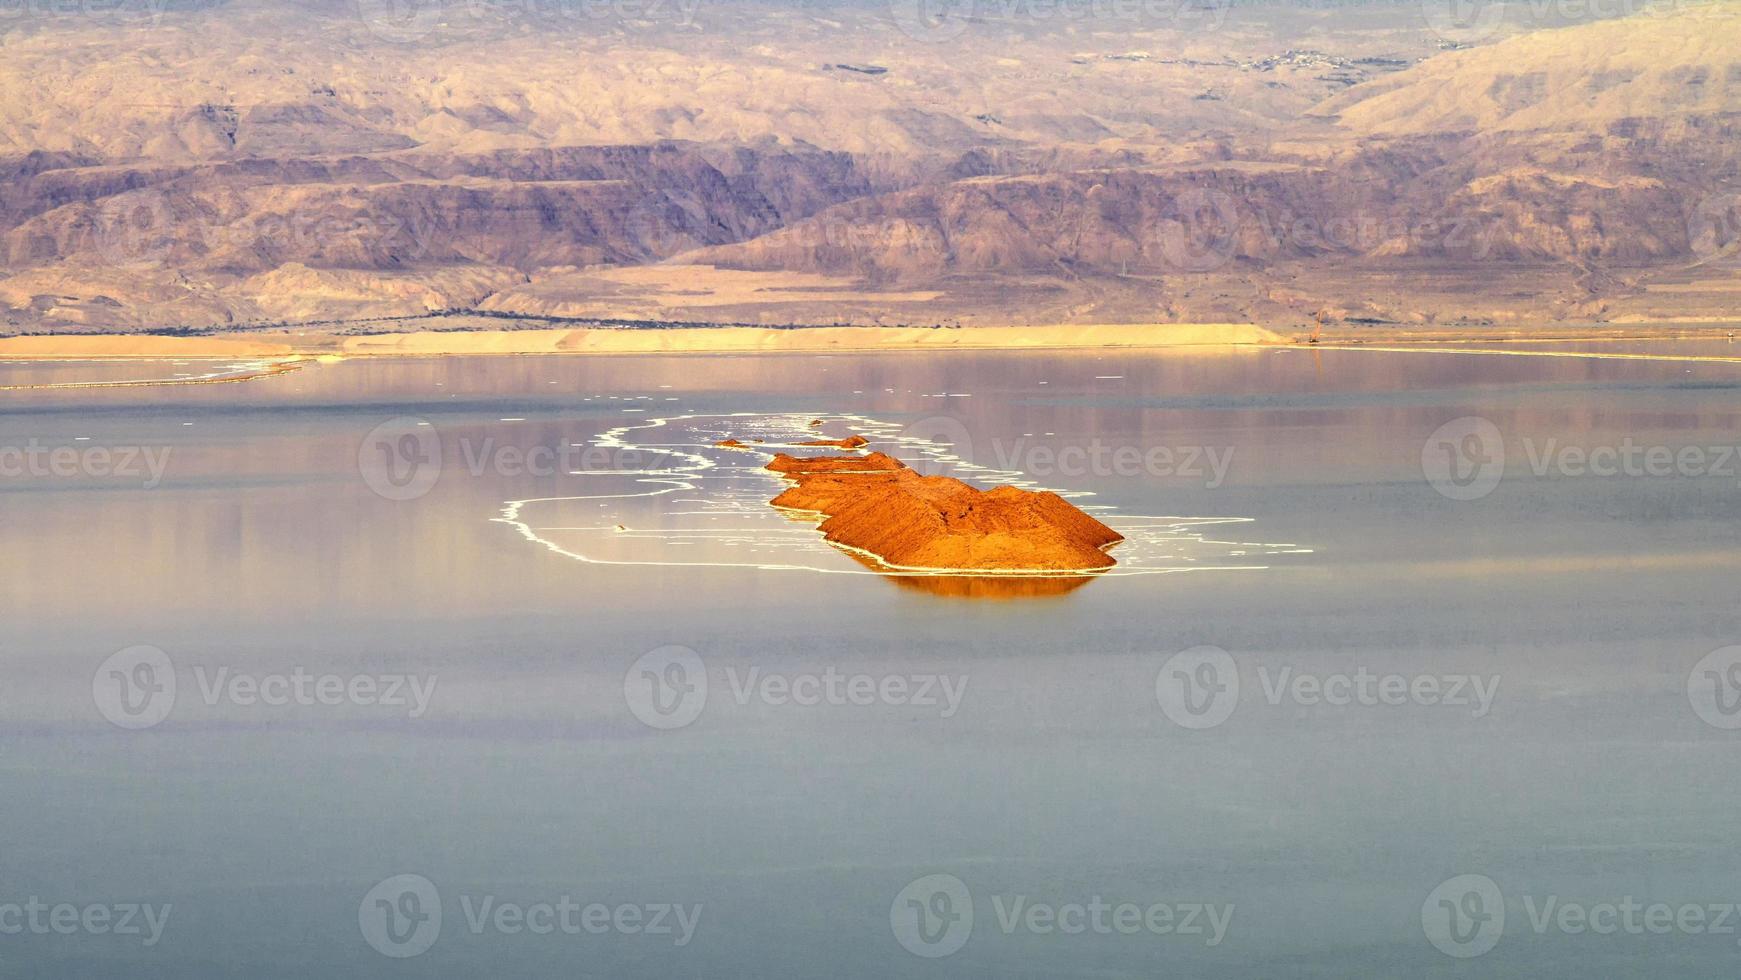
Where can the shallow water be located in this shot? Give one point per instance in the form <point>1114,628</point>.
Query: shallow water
<point>76,372</point>
<point>307,524</point>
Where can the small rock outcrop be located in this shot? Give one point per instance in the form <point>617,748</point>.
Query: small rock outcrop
<point>876,504</point>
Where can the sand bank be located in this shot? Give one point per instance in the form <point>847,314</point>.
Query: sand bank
<point>743,340</point>
<point>101,346</point>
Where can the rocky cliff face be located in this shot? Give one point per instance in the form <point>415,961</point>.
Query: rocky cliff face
<point>1184,222</point>
<point>120,234</point>
<point>524,210</point>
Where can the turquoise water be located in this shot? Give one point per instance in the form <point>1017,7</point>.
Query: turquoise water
<point>306,526</point>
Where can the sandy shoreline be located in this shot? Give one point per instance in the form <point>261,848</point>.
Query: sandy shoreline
<point>105,347</point>
<point>289,346</point>
<point>692,340</point>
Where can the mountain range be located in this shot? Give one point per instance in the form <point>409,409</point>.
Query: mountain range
<point>235,165</point>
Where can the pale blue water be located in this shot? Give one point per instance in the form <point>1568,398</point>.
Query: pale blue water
<point>261,550</point>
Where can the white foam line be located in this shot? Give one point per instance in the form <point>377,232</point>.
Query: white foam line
<point>1147,529</point>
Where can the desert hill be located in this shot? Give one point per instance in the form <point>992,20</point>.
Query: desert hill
<point>1679,65</point>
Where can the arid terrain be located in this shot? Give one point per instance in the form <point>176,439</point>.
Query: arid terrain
<point>257,166</point>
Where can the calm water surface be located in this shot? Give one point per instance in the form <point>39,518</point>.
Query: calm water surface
<point>262,545</point>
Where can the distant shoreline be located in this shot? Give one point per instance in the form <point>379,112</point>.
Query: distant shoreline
<point>290,345</point>
<point>593,340</point>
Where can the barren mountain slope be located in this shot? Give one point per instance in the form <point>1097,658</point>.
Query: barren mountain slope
<point>1683,64</point>
<point>271,81</point>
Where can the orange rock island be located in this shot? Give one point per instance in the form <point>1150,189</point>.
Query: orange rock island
<point>876,504</point>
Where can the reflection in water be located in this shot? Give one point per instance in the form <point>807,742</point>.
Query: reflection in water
<point>987,586</point>
<point>137,372</point>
